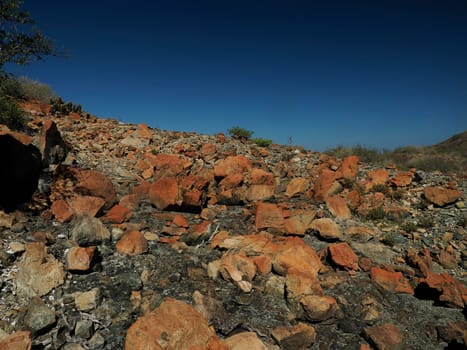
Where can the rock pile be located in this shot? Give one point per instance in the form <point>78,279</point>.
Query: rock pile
<point>140,238</point>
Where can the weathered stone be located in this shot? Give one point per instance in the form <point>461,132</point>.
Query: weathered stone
<point>132,243</point>
<point>117,215</point>
<point>343,256</point>
<point>296,186</point>
<point>38,315</point>
<point>164,193</point>
<point>17,341</point>
<point>86,205</point>
<point>51,144</point>
<point>96,184</point>
<point>167,165</point>
<point>245,340</point>
<point>19,171</point>
<point>83,329</point>
<point>326,184</point>
<point>402,179</point>
<point>89,231</point>
<point>6,220</point>
<point>385,337</point>
<point>299,222</point>
<point>239,269</point>
<point>174,325</point>
<point>449,290</point>
<point>61,210</point>
<point>38,272</point>
<point>441,196</point>
<point>268,215</point>
<point>319,308</point>
<point>232,165</point>
<point>391,281</point>
<point>349,168</point>
<point>89,300</point>
<point>79,259</point>
<point>299,337</point>
<point>338,207</point>
<point>454,333</point>
<point>327,229</point>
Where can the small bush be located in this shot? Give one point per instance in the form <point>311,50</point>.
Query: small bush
<point>36,90</point>
<point>10,87</point>
<point>10,114</point>
<point>426,222</point>
<point>376,214</point>
<point>409,226</point>
<point>262,142</point>
<point>240,133</point>
<point>380,188</point>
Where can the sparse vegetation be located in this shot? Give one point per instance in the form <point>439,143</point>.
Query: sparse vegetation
<point>380,188</point>
<point>10,114</point>
<point>33,89</point>
<point>377,213</point>
<point>262,142</point>
<point>240,133</point>
<point>409,226</point>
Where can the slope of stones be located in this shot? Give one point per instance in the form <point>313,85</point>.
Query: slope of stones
<point>140,238</point>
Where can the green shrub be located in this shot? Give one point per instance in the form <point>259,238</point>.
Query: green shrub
<point>380,188</point>
<point>10,87</point>
<point>409,226</point>
<point>10,114</point>
<point>376,213</point>
<point>262,142</point>
<point>36,90</point>
<point>240,133</point>
<point>426,222</point>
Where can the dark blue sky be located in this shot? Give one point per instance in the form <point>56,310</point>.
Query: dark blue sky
<point>326,73</point>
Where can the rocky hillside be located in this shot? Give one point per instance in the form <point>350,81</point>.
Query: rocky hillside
<point>139,238</point>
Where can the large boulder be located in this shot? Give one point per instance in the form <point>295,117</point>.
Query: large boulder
<point>20,168</point>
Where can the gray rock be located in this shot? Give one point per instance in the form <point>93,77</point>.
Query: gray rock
<point>89,231</point>
<point>83,329</point>
<point>38,316</point>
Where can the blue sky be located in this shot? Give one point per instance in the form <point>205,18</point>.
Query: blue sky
<point>380,73</point>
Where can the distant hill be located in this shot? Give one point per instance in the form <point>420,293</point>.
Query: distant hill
<point>456,144</point>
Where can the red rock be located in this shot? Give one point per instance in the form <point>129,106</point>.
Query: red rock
<point>245,340</point>
<point>141,190</point>
<point>338,207</point>
<point>117,215</point>
<point>263,264</point>
<point>239,269</point>
<point>391,281</point>
<point>343,256</point>
<point>231,181</point>
<point>174,325</point>
<point>441,196</point>
<point>319,308</point>
<point>61,210</point>
<point>86,205</point>
<point>378,177</point>
<point>268,215</point>
<point>143,132</point>
<point>79,259</point>
<point>327,228</point>
<point>261,177</point>
<point>451,292</point>
<point>354,199</point>
<point>402,179</point>
<point>299,222</point>
<point>130,201</point>
<point>132,243</point>
<point>326,184</point>
<point>180,221</point>
<point>260,192</point>
<point>167,165</point>
<point>293,254</point>
<point>296,186</point>
<point>349,168</point>
<point>96,184</point>
<point>232,165</point>
<point>384,337</point>
<point>299,337</point>
<point>208,150</point>
<point>17,341</point>
<point>165,193</point>
<point>198,233</point>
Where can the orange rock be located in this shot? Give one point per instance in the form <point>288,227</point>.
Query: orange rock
<point>343,256</point>
<point>263,264</point>
<point>173,325</point>
<point>61,210</point>
<point>354,199</point>
<point>378,177</point>
<point>300,283</point>
<point>349,168</point>
<point>117,215</point>
<point>86,205</point>
<point>326,184</point>
<point>143,132</point>
<point>232,165</point>
<point>319,308</point>
<point>17,341</point>
<point>180,221</point>
<point>167,165</point>
<point>198,232</point>
<point>165,193</point>
<point>402,179</point>
<point>79,259</point>
<point>327,228</point>
<point>268,215</point>
<point>245,340</point>
<point>96,184</point>
<point>296,186</point>
<point>231,181</point>
<point>208,150</point>
<point>239,269</point>
<point>132,243</point>
<point>385,336</point>
<point>441,196</point>
<point>300,336</point>
<point>451,292</point>
<point>391,281</point>
<point>299,222</point>
<point>260,192</point>
<point>338,207</point>
<point>261,177</point>
<point>130,201</point>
